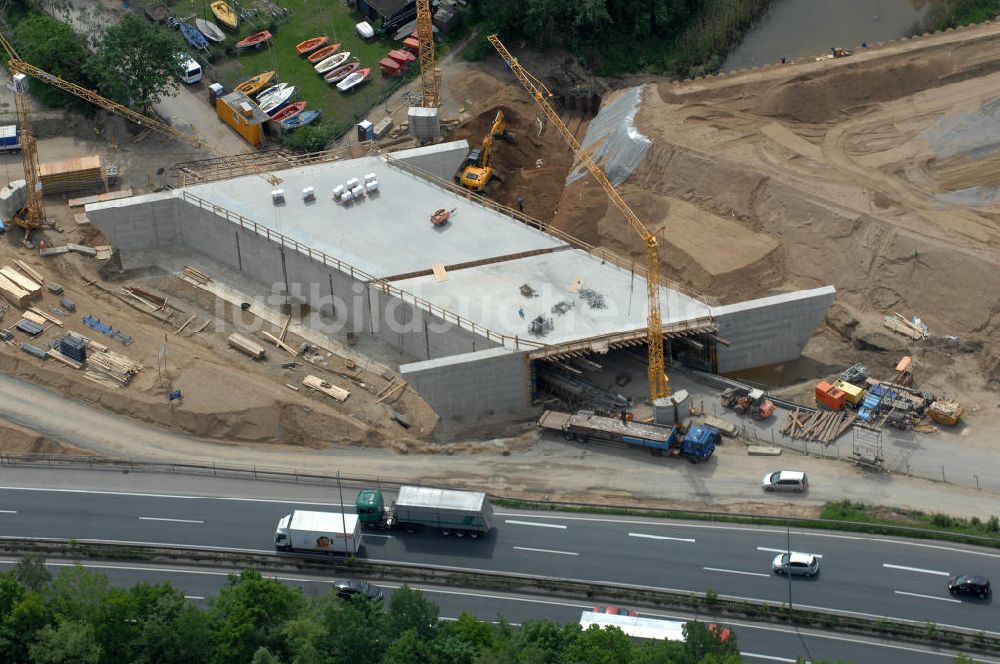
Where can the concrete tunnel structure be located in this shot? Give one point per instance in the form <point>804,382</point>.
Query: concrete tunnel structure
<point>448,300</point>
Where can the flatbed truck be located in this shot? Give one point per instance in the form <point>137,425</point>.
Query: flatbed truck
<point>452,512</point>
<point>697,443</point>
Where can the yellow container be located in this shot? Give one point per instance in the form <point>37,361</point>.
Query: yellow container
<point>232,109</point>
<point>855,394</point>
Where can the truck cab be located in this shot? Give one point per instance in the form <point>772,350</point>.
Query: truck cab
<point>699,443</point>
<point>370,506</point>
<point>281,540</point>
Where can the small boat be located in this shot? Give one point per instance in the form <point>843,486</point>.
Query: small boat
<point>402,56</point>
<point>225,15</point>
<point>209,29</point>
<point>353,80</point>
<point>290,110</point>
<point>192,36</point>
<point>323,53</point>
<point>251,86</point>
<point>311,44</point>
<point>390,67</point>
<point>299,120</point>
<point>256,39</point>
<point>341,72</point>
<point>332,62</point>
<point>277,100</point>
<point>270,91</point>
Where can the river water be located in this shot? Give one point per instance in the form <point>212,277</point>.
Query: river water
<point>796,28</point>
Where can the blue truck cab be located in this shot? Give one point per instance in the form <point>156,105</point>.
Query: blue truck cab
<point>700,441</point>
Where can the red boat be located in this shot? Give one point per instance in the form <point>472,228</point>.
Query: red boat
<point>323,53</point>
<point>255,39</point>
<point>390,67</point>
<point>289,111</point>
<point>412,44</point>
<point>311,44</point>
<point>402,57</point>
<point>341,72</point>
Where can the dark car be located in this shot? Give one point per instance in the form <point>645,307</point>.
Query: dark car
<point>348,588</point>
<point>970,585</point>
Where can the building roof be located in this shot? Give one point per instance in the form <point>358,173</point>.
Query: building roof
<point>389,8</point>
<point>235,98</point>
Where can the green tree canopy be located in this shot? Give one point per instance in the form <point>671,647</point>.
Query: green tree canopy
<point>52,45</point>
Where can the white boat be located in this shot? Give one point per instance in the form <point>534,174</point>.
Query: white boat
<point>277,100</point>
<point>209,29</point>
<point>334,60</point>
<point>270,91</point>
<point>357,78</point>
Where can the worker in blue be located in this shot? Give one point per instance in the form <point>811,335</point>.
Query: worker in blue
<point>520,204</point>
<point>520,312</point>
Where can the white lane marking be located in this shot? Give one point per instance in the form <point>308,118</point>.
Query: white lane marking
<point>940,599</point>
<point>376,535</point>
<point>660,537</point>
<point>735,571</point>
<point>8,511</point>
<point>770,658</point>
<point>764,548</point>
<point>531,523</point>
<point>565,553</point>
<point>172,495</point>
<point>193,597</point>
<point>156,518</point>
<point>916,569</point>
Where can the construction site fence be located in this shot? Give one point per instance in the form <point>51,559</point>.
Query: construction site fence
<point>702,604</point>
<point>491,488</point>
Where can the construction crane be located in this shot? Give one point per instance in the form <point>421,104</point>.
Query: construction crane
<point>430,76</point>
<point>33,214</point>
<point>658,382</point>
<point>477,171</point>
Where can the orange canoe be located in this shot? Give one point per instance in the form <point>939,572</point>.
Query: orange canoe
<point>323,53</point>
<point>311,44</point>
<point>255,39</point>
<point>255,84</point>
<point>289,111</point>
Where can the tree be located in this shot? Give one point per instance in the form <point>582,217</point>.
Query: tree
<point>136,63</point>
<point>72,642</point>
<point>249,613</point>
<point>32,574</point>
<point>264,656</point>
<point>311,138</point>
<point>173,631</point>
<point>353,630</point>
<point>409,609</point>
<point>598,645</point>
<point>701,640</point>
<point>78,593</point>
<point>53,46</point>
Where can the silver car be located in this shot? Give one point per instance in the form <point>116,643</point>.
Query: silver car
<point>786,480</point>
<point>795,563</point>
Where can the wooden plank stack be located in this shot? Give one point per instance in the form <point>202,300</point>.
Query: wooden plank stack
<point>196,275</point>
<point>21,281</point>
<point>246,345</point>
<point>84,173</point>
<point>823,426</point>
<point>14,293</point>
<point>320,385</point>
<point>901,325</point>
<point>111,369</point>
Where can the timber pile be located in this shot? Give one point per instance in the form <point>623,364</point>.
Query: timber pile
<point>320,385</point>
<point>22,282</point>
<point>901,325</point>
<point>14,293</point>
<point>824,426</point>
<point>246,346</point>
<point>71,175</point>
<point>196,275</point>
<point>111,369</point>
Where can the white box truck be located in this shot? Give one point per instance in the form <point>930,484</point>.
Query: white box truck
<point>318,532</point>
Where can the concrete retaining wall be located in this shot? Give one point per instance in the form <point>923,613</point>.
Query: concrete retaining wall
<point>771,329</point>
<point>473,385</point>
<point>442,160</point>
<point>157,227</point>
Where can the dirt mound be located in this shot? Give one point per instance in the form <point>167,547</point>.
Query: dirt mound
<point>15,440</point>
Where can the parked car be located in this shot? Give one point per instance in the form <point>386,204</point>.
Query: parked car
<point>795,563</point>
<point>965,584</point>
<point>615,611</point>
<point>786,480</point>
<point>348,588</point>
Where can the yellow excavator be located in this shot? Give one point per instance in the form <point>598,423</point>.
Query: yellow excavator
<point>477,171</point>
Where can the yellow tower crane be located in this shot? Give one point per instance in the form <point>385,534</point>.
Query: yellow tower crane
<point>430,76</point>
<point>33,214</point>
<point>658,386</point>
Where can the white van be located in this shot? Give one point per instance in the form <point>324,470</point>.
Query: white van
<point>190,69</point>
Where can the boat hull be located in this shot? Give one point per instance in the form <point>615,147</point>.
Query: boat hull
<point>209,29</point>
<point>225,15</point>
<point>277,100</point>
<point>332,62</point>
<point>323,53</point>
<point>255,39</point>
<point>299,120</point>
<point>193,36</point>
<point>353,80</point>
<point>252,86</point>
<point>289,111</point>
<point>341,72</point>
<point>311,45</point>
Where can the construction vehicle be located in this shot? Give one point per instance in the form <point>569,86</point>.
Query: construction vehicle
<point>656,370</point>
<point>318,532</point>
<point>697,443</point>
<point>840,52</point>
<point>32,216</point>
<point>477,171</point>
<point>747,401</point>
<point>459,512</point>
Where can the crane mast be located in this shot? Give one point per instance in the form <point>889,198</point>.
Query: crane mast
<point>656,371</point>
<point>33,214</point>
<point>430,76</point>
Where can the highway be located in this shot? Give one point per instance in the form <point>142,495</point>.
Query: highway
<point>860,574</point>
<point>758,643</point>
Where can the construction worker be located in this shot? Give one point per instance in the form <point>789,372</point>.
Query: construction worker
<point>520,312</point>
<point>520,204</point>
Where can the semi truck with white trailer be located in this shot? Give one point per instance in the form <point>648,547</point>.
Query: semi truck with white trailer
<point>452,512</point>
<point>318,532</point>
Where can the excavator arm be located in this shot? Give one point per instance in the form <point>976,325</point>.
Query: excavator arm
<point>658,386</point>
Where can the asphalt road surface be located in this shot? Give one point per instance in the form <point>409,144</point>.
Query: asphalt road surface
<point>758,643</point>
<point>859,575</point>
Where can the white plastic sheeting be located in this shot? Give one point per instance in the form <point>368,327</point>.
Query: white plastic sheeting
<point>621,147</point>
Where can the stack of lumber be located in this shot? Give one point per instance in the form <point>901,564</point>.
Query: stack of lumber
<point>14,293</point>
<point>28,270</point>
<point>21,281</point>
<point>246,345</point>
<point>320,385</point>
<point>71,175</point>
<point>902,325</point>
<point>824,426</point>
<point>196,275</point>
<point>111,369</point>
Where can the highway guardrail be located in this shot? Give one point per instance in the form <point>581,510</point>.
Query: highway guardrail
<point>709,603</point>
